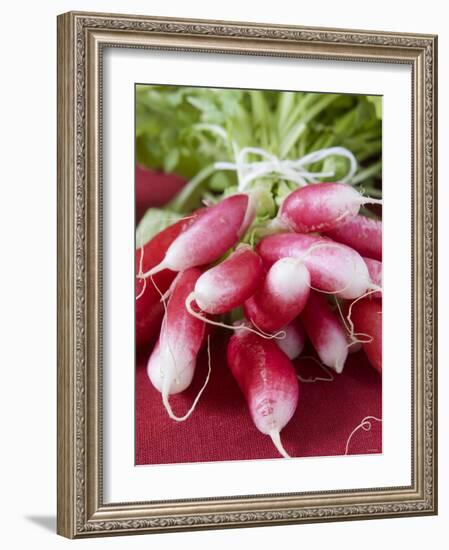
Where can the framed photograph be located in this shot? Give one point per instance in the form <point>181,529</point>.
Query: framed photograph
<point>246,274</point>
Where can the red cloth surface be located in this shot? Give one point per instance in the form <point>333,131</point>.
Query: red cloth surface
<point>221,429</point>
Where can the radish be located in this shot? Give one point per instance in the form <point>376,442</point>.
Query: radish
<point>210,236</point>
<point>325,331</point>
<point>154,189</point>
<point>366,316</point>
<point>172,364</point>
<point>375,273</point>
<point>293,342</point>
<point>354,343</point>
<point>320,207</point>
<point>362,234</point>
<point>334,268</point>
<point>281,297</point>
<point>268,381</point>
<point>229,284</point>
<point>149,309</point>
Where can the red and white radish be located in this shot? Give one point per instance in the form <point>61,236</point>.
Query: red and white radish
<point>281,297</point>
<point>334,268</point>
<point>366,316</point>
<point>172,364</point>
<point>209,237</point>
<point>268,381</point>
<point>354,342</point>
<point>325,331</point>
<point>293,342</point>
<point>375,273</point>
<point>227,285</point>
<point>149,309</point>
<point>362,234</point>
<point>320,207</point>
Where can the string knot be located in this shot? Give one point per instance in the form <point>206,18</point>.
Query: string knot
<point>292,170</point>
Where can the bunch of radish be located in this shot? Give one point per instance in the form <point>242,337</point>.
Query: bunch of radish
<point>316,274</point>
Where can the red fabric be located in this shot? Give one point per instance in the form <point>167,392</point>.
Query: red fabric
<point>220,428</point>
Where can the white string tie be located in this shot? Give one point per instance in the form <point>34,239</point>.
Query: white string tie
<point>289,169</point>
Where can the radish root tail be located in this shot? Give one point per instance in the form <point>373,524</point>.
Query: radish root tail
<point>153,271</point>
<point>352,333</point>
<point>370,200</point>
<point>313,379</point>
<point>165,394</point>
<point>276,439</point>
<point>168,292</point>
<point>365,425</point>
<point>354,337</point>
<point>191,298</point>
<point>142,292</point>
<point>139,274</point>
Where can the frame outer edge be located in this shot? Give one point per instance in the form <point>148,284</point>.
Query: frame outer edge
<point>76,229</point>
<point>434,160</point>
<point>66,340</point>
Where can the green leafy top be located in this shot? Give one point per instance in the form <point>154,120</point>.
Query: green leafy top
<point>185,130</point>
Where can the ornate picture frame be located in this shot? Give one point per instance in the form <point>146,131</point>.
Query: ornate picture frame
<point>82,38</point>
